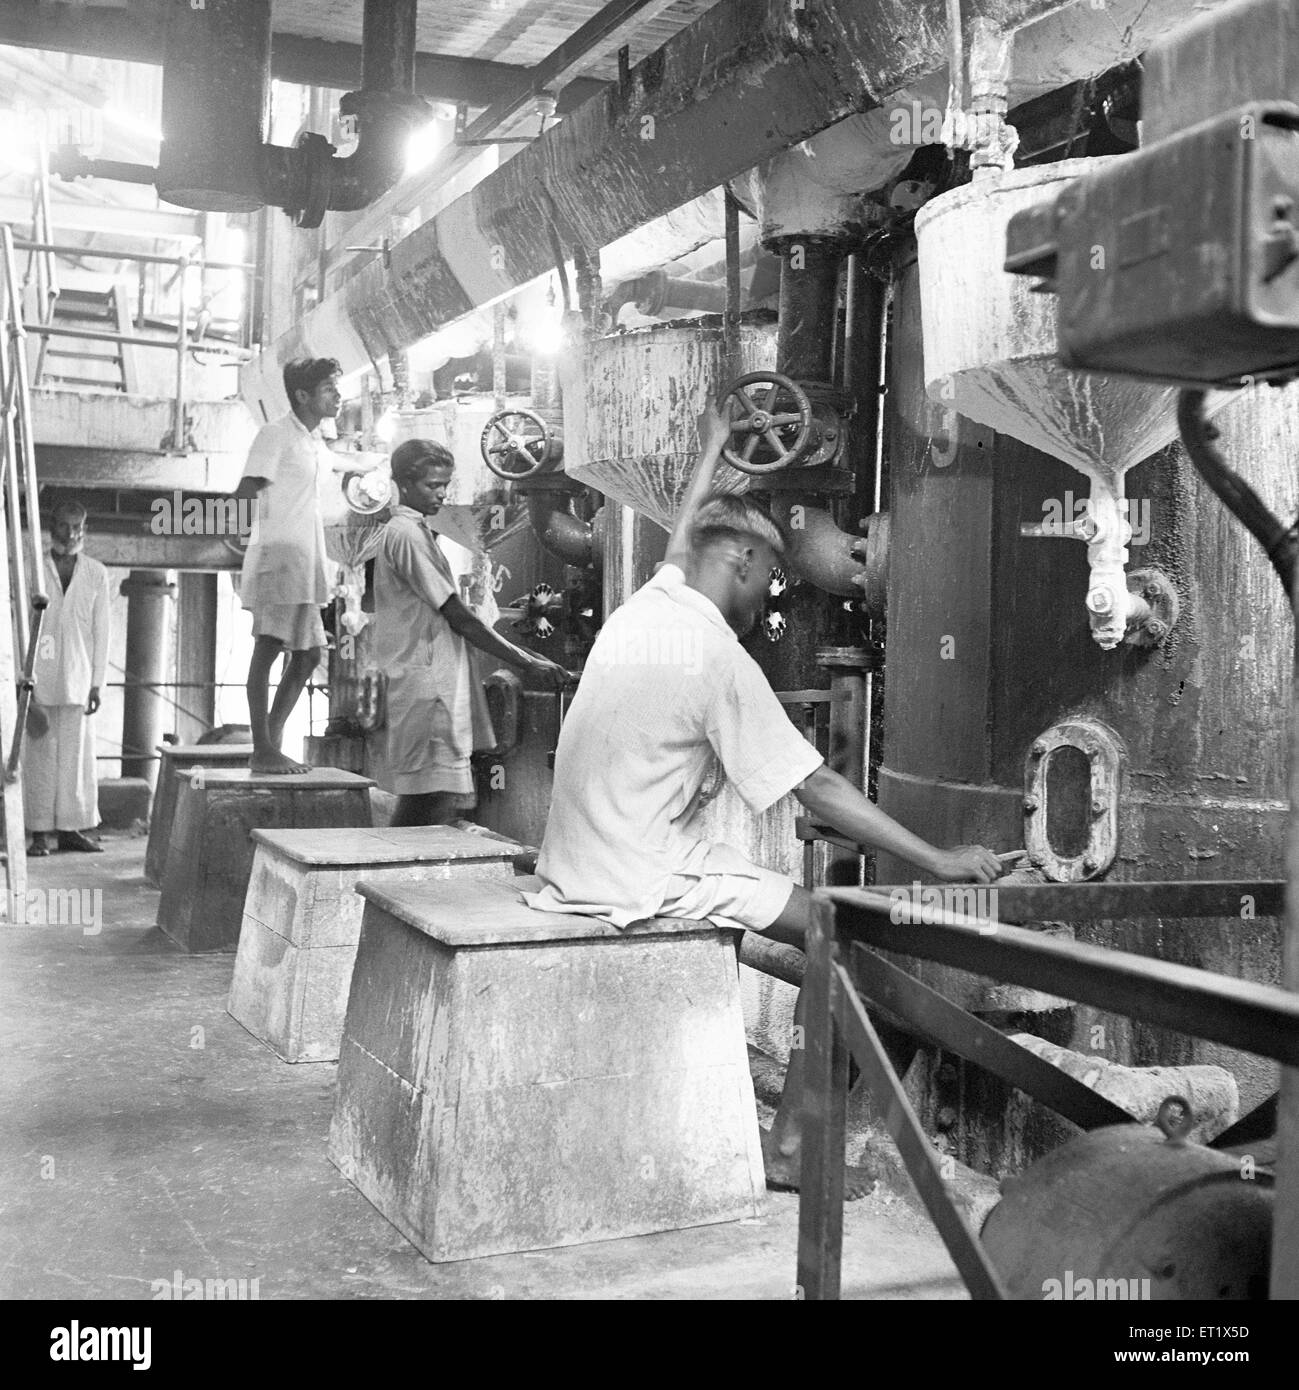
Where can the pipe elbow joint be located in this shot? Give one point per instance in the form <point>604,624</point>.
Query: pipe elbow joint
<point>833,560</point>
<point>562,534</point>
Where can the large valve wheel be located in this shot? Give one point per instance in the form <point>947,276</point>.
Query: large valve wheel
<point>518,443</point>
<point>768,409</point>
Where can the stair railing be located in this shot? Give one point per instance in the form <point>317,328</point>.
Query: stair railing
<point>18,452</point>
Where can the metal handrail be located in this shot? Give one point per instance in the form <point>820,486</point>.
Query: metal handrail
<point>1256,1018</point>
<point>19,448</point>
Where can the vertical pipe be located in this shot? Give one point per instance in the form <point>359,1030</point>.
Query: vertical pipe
<point>144,712</point>
<point>499,366</point>
<point>809,292</point>
<point>388,46</point>
<point>731,319</point>
<point>847,752</point>
<point>196,637</point>
<point>182,354</point>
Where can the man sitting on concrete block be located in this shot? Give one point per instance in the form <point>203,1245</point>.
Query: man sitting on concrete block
<point>667,694</point>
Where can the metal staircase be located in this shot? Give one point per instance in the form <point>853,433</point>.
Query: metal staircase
<point>105,360</point>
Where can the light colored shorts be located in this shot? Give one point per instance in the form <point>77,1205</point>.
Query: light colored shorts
<point>731,892</point>
<point>297,625</point>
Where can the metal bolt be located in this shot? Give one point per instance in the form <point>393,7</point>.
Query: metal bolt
<point>1098,806</point>
<point>1039,747</point>
<point>1100,601</point>
<point>1086,527</point>
<point>1156,628</point>
<point>1090,865</point>
<point>1030,804</point>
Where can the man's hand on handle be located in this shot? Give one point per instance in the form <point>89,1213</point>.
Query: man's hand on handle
<point>966,864</point>
<point>543,674</point>
<point>92,701</point>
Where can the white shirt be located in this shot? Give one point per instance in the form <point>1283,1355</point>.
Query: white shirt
<point>72,652</point>
<point>286,562</point>
<point>667,694</point>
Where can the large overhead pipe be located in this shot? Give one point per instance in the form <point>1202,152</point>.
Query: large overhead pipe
<point>216,110</point>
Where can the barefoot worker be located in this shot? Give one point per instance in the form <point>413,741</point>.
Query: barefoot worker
<point>666,696</point>
<point>436,709</point>
<point>60,791</point>
<point>286,577</point>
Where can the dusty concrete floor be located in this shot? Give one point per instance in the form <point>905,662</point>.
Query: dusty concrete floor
<point>145,1132</point>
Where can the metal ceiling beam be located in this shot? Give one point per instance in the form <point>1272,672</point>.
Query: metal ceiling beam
<point>106,31</point>
<point>747,80</point>
<point>610,26</point>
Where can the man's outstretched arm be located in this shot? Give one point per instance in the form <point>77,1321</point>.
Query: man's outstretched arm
<point>544,672</point>
<point>834,801</point>
<point>714,431</point>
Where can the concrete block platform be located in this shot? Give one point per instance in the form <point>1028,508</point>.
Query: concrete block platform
<point>174,757</point>
<point>210,856</point>
<point>515,1080</point>
<point>302,920</point>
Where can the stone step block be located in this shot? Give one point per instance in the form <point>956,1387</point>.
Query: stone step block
<point>515,1080</point>
<point>302,920</point>
<point>210,855</point>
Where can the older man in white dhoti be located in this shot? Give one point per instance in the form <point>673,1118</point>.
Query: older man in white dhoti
<point>436,709</point>
<point>60,789</point>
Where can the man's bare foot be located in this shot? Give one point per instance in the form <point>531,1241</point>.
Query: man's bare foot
<point>272,761</point>
<point>783,1172</point>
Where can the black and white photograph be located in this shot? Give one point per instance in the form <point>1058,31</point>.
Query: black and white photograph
<point>650,659</point>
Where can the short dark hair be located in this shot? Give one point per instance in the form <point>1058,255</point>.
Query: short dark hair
<point>724,516</point>
<point>68,506</point>
<point>411,459</point>
<point>306,373</point>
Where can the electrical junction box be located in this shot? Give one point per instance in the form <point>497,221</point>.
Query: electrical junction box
<point>1180,262</point>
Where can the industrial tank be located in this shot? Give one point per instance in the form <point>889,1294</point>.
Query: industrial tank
<point>990,660</point>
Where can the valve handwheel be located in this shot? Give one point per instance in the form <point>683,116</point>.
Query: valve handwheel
<point>773,411</point>
<point>519,438</point>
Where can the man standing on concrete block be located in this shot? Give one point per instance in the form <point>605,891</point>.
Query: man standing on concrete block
<point>286,578</point>
<point>60,788</point>
<point>436,708</point>
<point>668,701</point>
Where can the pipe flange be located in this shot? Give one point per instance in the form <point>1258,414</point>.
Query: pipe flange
<point>1157,614</point>
<point>314,168</point>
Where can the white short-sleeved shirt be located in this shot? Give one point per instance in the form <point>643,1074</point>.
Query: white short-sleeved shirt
<point>72,653</point>
<point>667,694</point>
<point>286,561</point>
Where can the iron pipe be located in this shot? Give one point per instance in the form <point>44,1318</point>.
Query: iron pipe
<point>560,531</point>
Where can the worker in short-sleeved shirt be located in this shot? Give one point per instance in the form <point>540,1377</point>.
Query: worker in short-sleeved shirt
<point>285,562</point>
<point>668,693</point>
<point>435,709</point>
<point>286,577</point>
